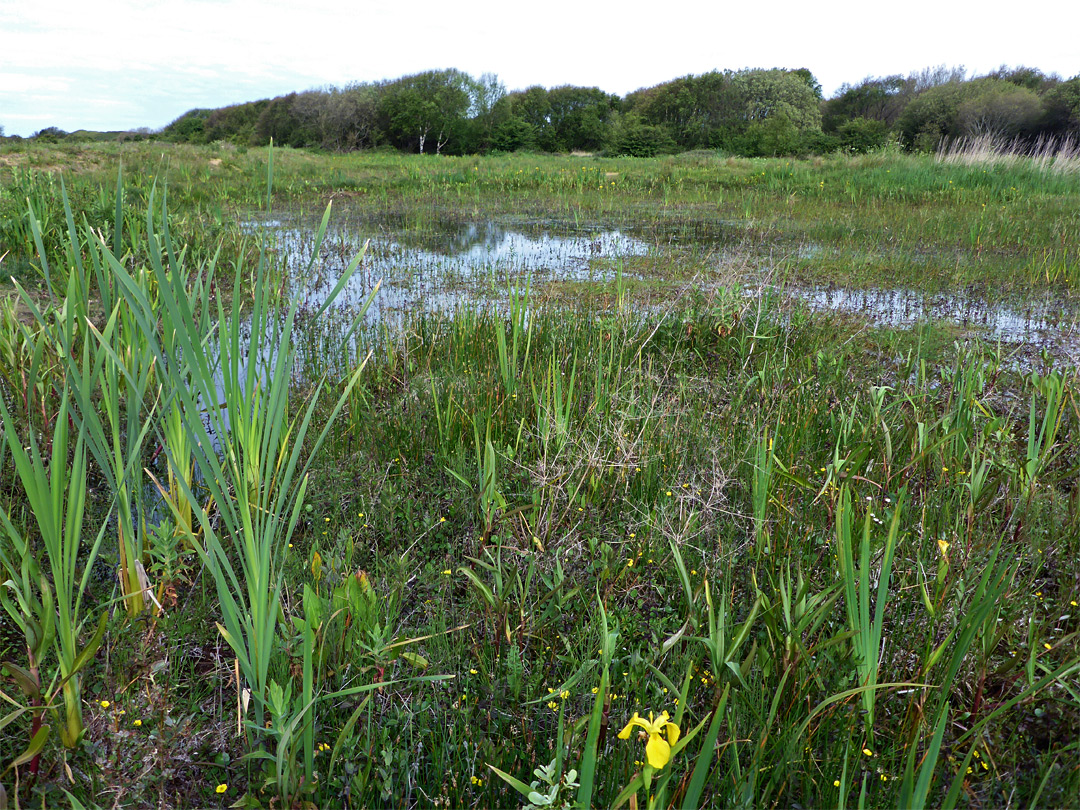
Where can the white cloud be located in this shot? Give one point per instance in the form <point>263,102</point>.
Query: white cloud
<point>162,57</point>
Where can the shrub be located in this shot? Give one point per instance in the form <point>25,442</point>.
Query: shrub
<point>644,140</point>
<point>861,135</point>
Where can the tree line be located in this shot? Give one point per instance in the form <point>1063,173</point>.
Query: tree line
<point>753,112</point>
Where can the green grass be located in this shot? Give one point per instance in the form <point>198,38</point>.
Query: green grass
<point>840,558</point>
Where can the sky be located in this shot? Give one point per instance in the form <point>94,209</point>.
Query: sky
<point>119,64</point>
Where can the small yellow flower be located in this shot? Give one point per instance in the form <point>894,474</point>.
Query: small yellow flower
<point>221,788</point>
<point>442,520</point>
<point>472,671</point>
<point>553,705</point>
<point>630,563</point>
<point>104,704</point>
<point>868,752</point>
<point>943,547</point>
<point>1048,646</point>
<point>668,493</point>
<point>836,783</point>
<point>447,572</point>
<point>884,778</point>
<point>136,723</point>
<point>657,749</point>
<point>564,694</point>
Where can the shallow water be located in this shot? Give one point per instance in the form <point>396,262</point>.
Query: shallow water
<point>440,268</point>
<point>474,264</point>
<point>1044,320</point>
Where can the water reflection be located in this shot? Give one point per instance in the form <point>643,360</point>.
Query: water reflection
<point>1042,320</point>
<point>472,264</point>
<point>439,268</point>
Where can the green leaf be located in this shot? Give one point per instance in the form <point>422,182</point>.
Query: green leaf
<point>37,742</point>
<point>24,680</point>
<point>513,782</point>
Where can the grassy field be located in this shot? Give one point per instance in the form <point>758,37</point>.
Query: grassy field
<point>672,539</point>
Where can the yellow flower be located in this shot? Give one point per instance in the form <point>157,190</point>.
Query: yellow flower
<point>104,704</point>
<point>447,572</point>
<point>136,723</point>
<point>943,547</point>
<point>657,749</point>
<point>868,752</point>
<point>221,788</point>
<point>836,783</point>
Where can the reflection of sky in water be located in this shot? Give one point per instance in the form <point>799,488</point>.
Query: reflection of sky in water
<point>478,264</point>
<point>474,264</point>
<point>1045,321</point>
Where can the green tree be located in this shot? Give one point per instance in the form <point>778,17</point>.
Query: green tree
<point>633,137</point>
<point>513,134</point>
<point>427,106</point>
<point>279,121</point>
<point>1028,77</point>
<point>485,95</point>
<point>998,108</point>
<point>876,99</point>
<point>1061,116</point>
<point>235,123</point>
<point>960,109</point>
<point>188,128</point>
<point>766,93</point>
<point>861,135</point>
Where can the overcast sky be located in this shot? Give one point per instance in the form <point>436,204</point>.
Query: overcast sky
<point>120,64</point>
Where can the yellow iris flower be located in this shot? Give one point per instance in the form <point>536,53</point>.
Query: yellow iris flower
<point>657,749</point>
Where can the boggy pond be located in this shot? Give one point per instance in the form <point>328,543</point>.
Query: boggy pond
<point>443,266</point>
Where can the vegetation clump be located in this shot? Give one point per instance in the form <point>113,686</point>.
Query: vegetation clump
<point>673,538</point>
